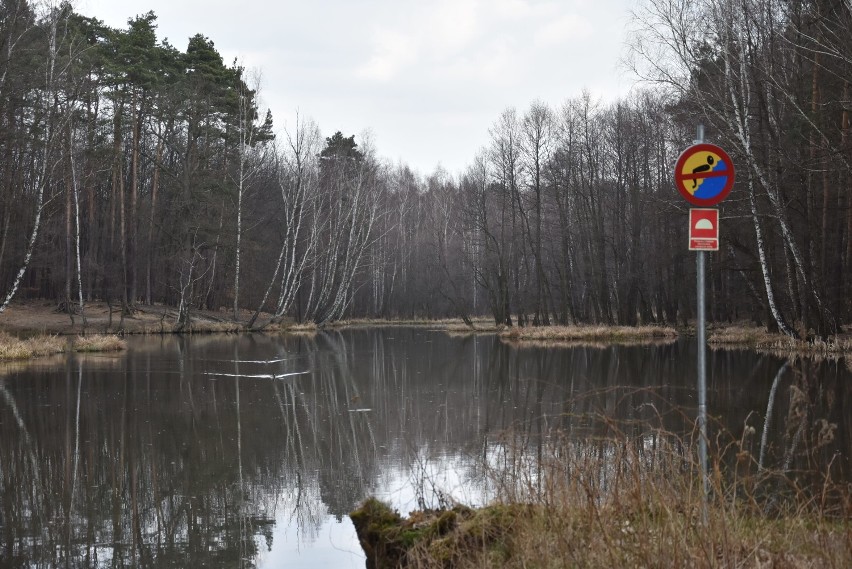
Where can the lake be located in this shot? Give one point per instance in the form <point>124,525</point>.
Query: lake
<point>250,450</point>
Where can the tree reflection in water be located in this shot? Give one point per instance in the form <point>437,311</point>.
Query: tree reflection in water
<point>188,452</point>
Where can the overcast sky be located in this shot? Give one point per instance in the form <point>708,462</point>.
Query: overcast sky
<point>427,78</point>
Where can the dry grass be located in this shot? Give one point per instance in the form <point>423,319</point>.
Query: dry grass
<point>589,335</point>
<point>99,343</point>
<point>196,326</point>
<point>743,336</point>
<point>619,502</point>
<point>12,348</point>
<point>594,345</point>
<point>479,327</point>
<point>303,329</point>
<point>199,326</point>
<point>439,323</point>
<point>760,339</point>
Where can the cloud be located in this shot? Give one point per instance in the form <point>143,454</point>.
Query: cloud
<point>393,51</point>
<point>569,28</point>
<point>416,39</point>
<point>453,25</point>
<point>511,9</point>
<point>442,68</point>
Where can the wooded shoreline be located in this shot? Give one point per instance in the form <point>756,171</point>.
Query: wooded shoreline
<point>142,172</point>
<point>42,319</point>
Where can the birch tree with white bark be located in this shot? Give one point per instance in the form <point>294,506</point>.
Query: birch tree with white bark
<point>353,182</point>
<point>738,61</point>
<point>51,123</point>
<point>252,152</point>
<point>297,176</point>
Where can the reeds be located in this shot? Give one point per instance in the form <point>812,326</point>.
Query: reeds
<point>590,334</point>
<point>99,343</point>
<point>478,327</point>
<point>621,501</point>
<point>303,329</point>
<point>437,323</point>
<point>12,348</point>
<point>196,326</point>
<point>760,339</point>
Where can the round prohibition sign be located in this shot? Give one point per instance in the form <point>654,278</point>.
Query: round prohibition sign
<point>704,174</point>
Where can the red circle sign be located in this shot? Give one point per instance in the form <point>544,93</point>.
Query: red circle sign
<point>704,174</point>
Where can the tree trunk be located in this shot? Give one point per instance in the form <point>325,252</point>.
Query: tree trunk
<point>66,303</point>
<point>155,187</point>
<point>77,230</point>
<point>764,265</point>
<point>44,170</point>
<point>845,144</point>
<point>132,253</point>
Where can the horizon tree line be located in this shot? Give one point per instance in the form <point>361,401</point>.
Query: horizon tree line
<point>136,173</point>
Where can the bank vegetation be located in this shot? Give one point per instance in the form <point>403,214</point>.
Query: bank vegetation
<point>623,502</point>
<point>14,348</point>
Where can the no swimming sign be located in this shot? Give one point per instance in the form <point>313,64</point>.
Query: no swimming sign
<point>704,174</point>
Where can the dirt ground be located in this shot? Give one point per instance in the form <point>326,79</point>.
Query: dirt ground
<point>42,316</point>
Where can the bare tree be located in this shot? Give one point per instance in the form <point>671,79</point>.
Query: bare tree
<point>250,161</point>
<point>297,178</point>
<point>537,140</point>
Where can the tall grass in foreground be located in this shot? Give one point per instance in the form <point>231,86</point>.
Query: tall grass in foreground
<point>623,501</point>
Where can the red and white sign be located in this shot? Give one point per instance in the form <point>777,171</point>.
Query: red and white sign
<point>704,174</point>
<point>703,229</point>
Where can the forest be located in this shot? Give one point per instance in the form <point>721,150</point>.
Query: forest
<point>137,172</point>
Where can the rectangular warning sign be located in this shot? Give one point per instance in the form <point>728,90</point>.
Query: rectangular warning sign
<point>703,244</point>
<point>703,229</point>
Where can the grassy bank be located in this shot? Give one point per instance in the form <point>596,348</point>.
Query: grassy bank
<point>759,339</point>
<point>41,317</point>
<point>548,335</point>
<point>536,535</point>
<point>621,503</point>
<point>32,316</point>
<point>13,348</point>
<point>719,336</point>
<point>438,323</point>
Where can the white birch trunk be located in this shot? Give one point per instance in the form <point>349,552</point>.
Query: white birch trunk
<point>243,141</point>
<point>76,191</point>
<point>45,169</point>
<point>741,103</point>
<point>297,183</point>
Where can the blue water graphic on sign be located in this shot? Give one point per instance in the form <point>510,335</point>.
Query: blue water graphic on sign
<point>713,186</point>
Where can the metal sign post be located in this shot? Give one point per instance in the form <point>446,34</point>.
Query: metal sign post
<point>702,386</point>
<point>704,175</point>
<point>702,369</point>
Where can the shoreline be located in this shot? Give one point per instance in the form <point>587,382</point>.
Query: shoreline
<point>617,501</point>
<point>40,318</point>
<point>22,349</point>
<point>643,532</point>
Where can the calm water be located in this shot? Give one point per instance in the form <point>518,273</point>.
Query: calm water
<point>249,451</point>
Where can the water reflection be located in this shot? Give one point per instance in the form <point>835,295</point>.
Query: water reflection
<point>249,451</point>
